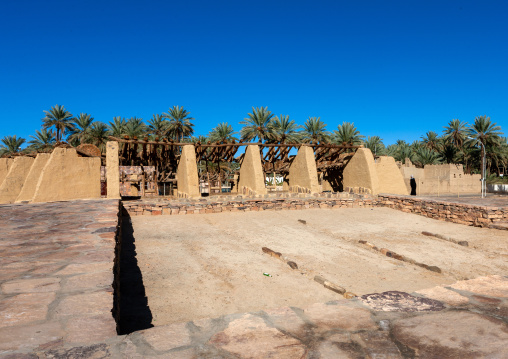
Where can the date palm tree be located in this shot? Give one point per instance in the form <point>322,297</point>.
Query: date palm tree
<point>484,133</point>
<point>43,140</point>
<point>117,126</point>
<point>59,118</point>
<point>180,125</point>
<point>158,125</point>
<point>82,125</point>
<point>425,156</point>
<point>455,132</point>
<point>347,134</point>
<point>256,124</point>
<point>134,127</point>
<point>11,145</point>
<point>223,132</point>
<point>314,130</point>
<point>431,141</point>
<point>282,130</point>
<point>375,145</point>
<point>98,135</point>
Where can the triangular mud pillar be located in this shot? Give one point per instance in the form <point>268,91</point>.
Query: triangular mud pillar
<point>15,179</point>
<point>303,177</point>
<point>360,174</point>
<point>187,174</point>
<point>390,178</point>
<point>28,190</point>
<point>5,164</point>
<point>112,170</point>
<point>252,177</point>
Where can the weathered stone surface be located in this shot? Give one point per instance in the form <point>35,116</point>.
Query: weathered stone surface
<point>494,286</point>
<point>394,301</point>
<point>85,304</point>
<point>377,344</point>
<point>24,308</point>
<point>250,337</point>
<point>29,336</point>
<point>336,316</point>
<point>167,337</point>
<point>92,280</point>
<point>49,284</point>
<point>453,335</point>
<point>96,351</point>
<point>88,330</point>
<point>286,319</point>
<point>444,295</point>
<point>85,268</point>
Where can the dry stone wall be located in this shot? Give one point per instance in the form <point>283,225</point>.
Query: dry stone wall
<point>471,215</point>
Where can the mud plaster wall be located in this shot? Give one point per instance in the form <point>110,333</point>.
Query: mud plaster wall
<point>390,178</point>
<point>303,172</point>
<point>13,182</point>
<point>251,172</point>
<point>28,190</point>
<point>67,176</point>
<point>112,170</point>
<point>187,173</point>
<point>441,179</point>
<point>5,164</point>
<point>361,171</point>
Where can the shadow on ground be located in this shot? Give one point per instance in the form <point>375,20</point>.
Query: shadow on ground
<point>135,313</point>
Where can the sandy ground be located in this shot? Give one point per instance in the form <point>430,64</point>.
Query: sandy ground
<point>205,265</point>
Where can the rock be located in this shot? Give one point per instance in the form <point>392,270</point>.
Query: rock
<point>444,295</point>
<point>394,301</point>
<point>293,265</point>
<point>453,335</point>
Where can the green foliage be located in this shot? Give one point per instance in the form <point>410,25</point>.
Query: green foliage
<point>347,134</point>
<point>314,130</point>
<point>42,141</point>
<point>11,145</point>
<point>256,124</point>
<point>375,145</point>
<point>179,125</point>
<point>283,130</point>
<point>59,118</point>
<point>223,132</point>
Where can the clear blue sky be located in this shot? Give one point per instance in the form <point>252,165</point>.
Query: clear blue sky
<point>396,69</point>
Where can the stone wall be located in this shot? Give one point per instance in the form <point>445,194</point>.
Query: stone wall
<point>15,178</point>
<point>390,178</point>
<point>361,171</point>
<point>136,208</point>
<point>5,164</point>
<point>471,215</point>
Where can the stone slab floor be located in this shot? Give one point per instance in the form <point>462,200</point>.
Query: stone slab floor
<point>56,275</point>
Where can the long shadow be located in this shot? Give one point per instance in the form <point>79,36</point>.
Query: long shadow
<point>135,313</point>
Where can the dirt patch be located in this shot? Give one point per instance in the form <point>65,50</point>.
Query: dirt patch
<point>206,265</point>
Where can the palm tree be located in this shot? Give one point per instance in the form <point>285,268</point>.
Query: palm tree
<point>43,140</point>
<point>376,145</point>
<point>222,133</point>
<point>314,130</point>
<point>134,127</point>
<point>11,145</point>
<point>347,134</point>
<point>60,118</point>
<point>401,150</point>
<point>157,125</point>
<point>81,129</point>
<point>98,135</point>
<point>484,133</point>
<point>425,156</point>
<point>283,130</point>
<point>431,141</point>
<point>180,125</point>
<point>256,125</point>
<point>117,127</point>
<point>455,132</point>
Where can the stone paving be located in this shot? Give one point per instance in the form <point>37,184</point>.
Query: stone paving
<point>56,301</point>
<point>56,274</point>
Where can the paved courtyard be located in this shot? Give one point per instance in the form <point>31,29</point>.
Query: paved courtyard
<point>57,300</point>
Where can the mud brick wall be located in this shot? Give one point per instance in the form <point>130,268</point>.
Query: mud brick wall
<point>471,215</point>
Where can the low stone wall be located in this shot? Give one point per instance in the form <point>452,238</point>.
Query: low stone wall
<point>136,208</point>
<point>471,215</point>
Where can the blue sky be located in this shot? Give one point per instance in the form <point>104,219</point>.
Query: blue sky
<point>397,69</point>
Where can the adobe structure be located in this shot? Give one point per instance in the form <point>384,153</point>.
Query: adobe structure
<point>441,179</point>
<point>62,261</point>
